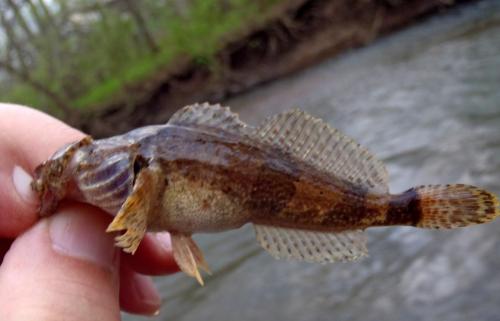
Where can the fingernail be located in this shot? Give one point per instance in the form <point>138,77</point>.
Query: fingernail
<point>76,235</point>
<point>22,181</point>
<point>146,292</point>
<point>164,240</point>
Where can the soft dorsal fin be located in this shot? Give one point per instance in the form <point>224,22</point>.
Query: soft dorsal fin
<point>311,246</point>
<point>324,147</point>
<point>207,115</point>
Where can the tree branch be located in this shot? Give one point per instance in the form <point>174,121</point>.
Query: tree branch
<point>58,101</point>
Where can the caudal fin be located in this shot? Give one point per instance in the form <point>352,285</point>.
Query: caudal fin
<point>442,206</point>
<point>450,206</point>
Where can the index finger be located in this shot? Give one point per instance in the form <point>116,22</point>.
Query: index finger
<point>27,138</point>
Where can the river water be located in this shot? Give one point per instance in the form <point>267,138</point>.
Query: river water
<point>427,102</point>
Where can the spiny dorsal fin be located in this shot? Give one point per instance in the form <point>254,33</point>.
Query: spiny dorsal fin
<point>206,115</point>
<point>324,147</point>
<point>311,246</point>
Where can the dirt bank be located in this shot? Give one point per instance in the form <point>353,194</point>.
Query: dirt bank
<point>297,34</point>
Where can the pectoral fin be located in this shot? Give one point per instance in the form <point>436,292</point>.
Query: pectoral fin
<point>188,256</point>
<point>132,218</point>
<point>134,213</point>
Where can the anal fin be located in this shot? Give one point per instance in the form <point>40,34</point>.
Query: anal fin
<point>188,256</point>
<point>312,246</point>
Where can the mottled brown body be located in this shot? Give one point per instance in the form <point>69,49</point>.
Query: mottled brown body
<point>308,189</point>
<point>214,180</point>
<point>240,181</point>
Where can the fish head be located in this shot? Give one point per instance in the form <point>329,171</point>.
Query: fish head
<point>52,178</point>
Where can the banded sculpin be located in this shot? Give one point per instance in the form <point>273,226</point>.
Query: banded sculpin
<point>309,190</point>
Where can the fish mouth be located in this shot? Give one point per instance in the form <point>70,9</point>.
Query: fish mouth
<point>47,185</point>
<point>51,178</point>
<point>48,204</point>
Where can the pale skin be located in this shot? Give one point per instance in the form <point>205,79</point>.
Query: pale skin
<point>64,266</point>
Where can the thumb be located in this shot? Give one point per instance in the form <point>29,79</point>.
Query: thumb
<point>64,267</point>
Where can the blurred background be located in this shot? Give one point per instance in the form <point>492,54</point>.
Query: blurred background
<point>418,82</point>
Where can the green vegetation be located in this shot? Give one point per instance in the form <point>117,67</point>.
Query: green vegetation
<point>87,53</point>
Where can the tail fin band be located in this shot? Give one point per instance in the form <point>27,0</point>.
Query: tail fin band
<point>443,206</point>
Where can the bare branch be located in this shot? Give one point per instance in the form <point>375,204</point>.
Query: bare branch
<point>21,20</point>
<point>12,43</point>
<point>58,101</point>
<point>135,12</point>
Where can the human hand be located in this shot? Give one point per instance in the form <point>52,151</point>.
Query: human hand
<point>64,266</point>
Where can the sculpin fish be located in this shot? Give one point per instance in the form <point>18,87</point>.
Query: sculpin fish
<point>309,190</point>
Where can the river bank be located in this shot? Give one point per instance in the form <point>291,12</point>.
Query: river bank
<point>297,34</point>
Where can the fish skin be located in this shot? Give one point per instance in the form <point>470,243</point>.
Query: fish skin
<point>232,181</point>
<point>188,179</point>
<point>223,182</point>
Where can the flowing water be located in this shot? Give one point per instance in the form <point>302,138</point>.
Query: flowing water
<point>427,102</point>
